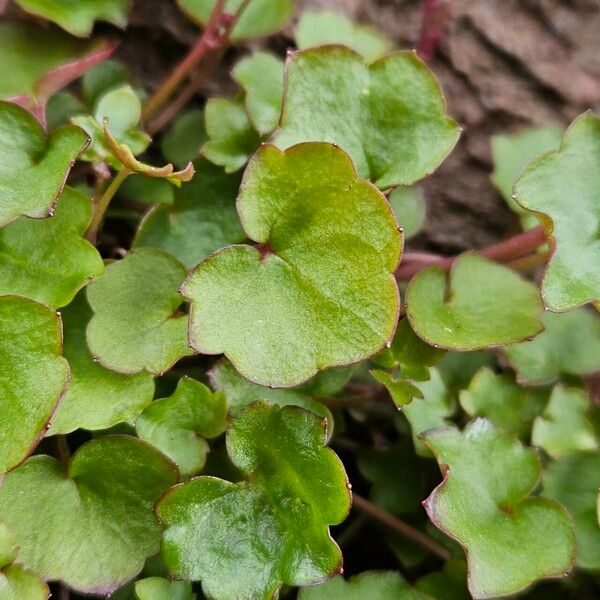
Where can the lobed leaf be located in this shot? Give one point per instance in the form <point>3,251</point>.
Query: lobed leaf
<point>78,18</point>
<point>136,325</point>
<point>569,344</point>
<point>33,376</point>
<point>401,390</point>
<point>480,304</point>
<point>33,166</point>
<point>563,427</point>
<point>96,397</point>
<point>259,18</point>
<point>389,117</point>
<point>201,219</point>
<point>278,311</point>
<point>271,529</point>
<point>66,517</point>
<point>488,478</point>
<point>563,189</point>
<point>48,260</point>
<point>177,425</point>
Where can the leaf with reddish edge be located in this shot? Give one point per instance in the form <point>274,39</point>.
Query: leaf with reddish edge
<point>43,61</point>
<point>33,376</point>
<point>511,538</point>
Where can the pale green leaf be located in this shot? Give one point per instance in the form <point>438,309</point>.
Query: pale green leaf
<point>408,205</point>
<point>157,588</point>
<point>401,390</point>
<point>17,583</point>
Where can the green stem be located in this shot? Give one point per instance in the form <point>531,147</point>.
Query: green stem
<point>62,449</point>
<point>103,203</point>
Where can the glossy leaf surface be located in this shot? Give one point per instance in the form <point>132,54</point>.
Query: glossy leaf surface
<point>282,313</point>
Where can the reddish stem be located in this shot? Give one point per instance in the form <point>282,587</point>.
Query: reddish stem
<point>434,18</point>
<point>510,249</point>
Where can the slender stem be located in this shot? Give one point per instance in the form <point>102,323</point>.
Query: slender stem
<point>528,262</point>
<point>510,249</point>
<point>62,448</point>
<point>434,19</point>
<point>400,527</point>
<point>208,40</point>
<point>102,204</point>
<point>63,593</point>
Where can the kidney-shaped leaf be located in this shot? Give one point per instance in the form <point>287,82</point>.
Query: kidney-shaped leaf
<point>479,305</point>
<point>33,166</point>
<point>563,187</point>
<point>90,524</point>
<point>177,425</point>
<point>390,117</point>
<point>511,539</point>
<point>319,289</point>
<point>33,375</point>
<point>47,259</point>
<point>269,530</point>
<point>78,17</point>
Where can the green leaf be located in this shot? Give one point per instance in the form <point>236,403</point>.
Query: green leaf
<point>240,393</point>
<point>201,219</point>
<point>48,260</point>
<point>98,506</point>
<point>33,376</point>
<point>78,18</point>
<point>563,189</point>
<point>574,481</point>
<point>8,546</point>
<point>260,18</point>
<point>136,325</point>
<point>563,427</point>
<point>369,585</point>
<point>146,190</point>
<point>449,584</point>
<point>280,312</point>
<point>511,538</point>
<point>103,77</point>
<point>324,27</point>
<point>157,588</point>
<point>433,410</point>
<point>96,397</point>
<point>408,205</point>
<point>511,153</point>
<point>177,425</point>
<point>261,77</point>
<point>390,117</point>
<point>570,343</point>
<point>231,137</point>
<point>295,489</point>
<point>182,141</point>
<point>33,166</point>
<point>458,368</point>
<point>499,399</point>
<point>480,304</point>
<point>401,390</point>
<point>40,61</point>
<point>61,107</point>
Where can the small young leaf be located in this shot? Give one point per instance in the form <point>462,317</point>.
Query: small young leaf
<point>201,219</point>
<point>33,167</point>
<point>61,108</point>
<point>103,77</point>
<point>488,478</point>
<point>48,260</point>
<point>296,488</point>
<point>231,137</point>
<point>66,518</point>
<point>369,585</point>
<point>563,189</point>
<point>33,376</point>
<point>259,18</point>
<point>96,397</point>
<point>136,324</point>
<point>182,141</point>
<point>574,481</point>
<point>261,77</point>
<point>78,17</point>
<point>157,588</point>
<point>401,390</point>
<point>499,399</point>
<point>146,190</point>
<point>177,425</point>
<point>480,304</point>
<point>240,393</point>
<point>389,117</point>
<point>563,427</point>
<point>324,27</point>
<point>280,312</point>
<point>409,207</point>
<point>570,344</point>
<point>458,368</point>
